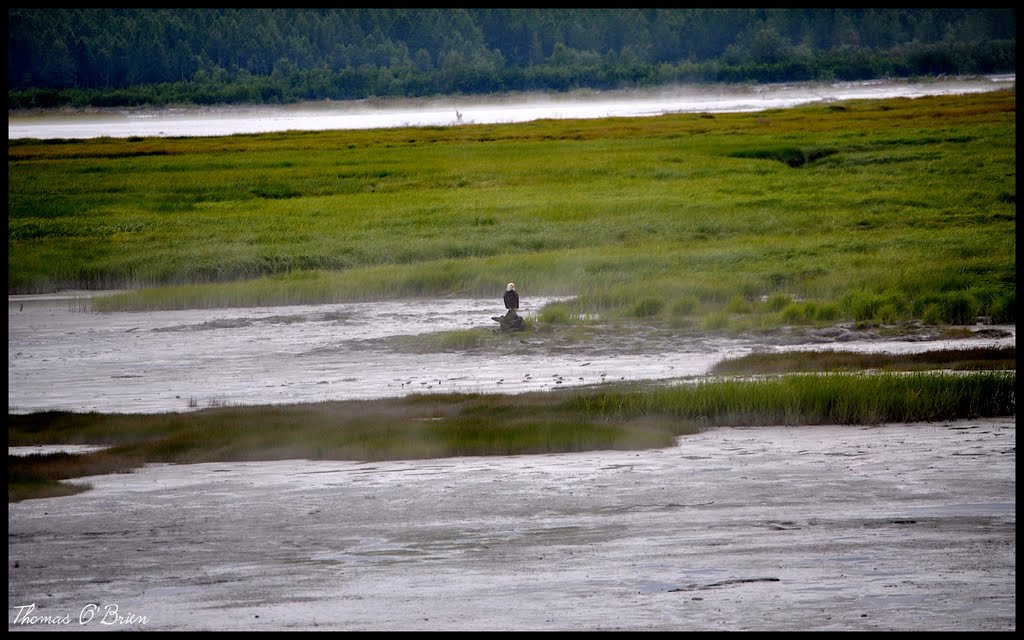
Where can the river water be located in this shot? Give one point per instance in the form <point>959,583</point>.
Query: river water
<point>364,114</point>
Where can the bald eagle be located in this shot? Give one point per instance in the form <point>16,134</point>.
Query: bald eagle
<point>511,297</point>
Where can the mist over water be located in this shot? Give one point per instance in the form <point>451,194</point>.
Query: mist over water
<point>451,111</point>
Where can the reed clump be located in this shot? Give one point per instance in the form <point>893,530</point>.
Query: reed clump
<point>803,399</point>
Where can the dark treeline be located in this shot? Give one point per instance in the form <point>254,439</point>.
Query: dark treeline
<point>126,57</point>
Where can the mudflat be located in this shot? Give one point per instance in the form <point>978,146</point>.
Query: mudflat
<point>891,527</point>
<point>62,359</point>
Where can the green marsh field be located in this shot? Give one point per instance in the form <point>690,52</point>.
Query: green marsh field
<point>877,213</point>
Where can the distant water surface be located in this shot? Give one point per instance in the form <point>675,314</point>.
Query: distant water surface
<point>365,114</point>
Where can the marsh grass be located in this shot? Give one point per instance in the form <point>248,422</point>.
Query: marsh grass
<point>802,399</point>
<point>615,416</point>
<point>43,475</point>
<point>882,211</point>
<point>968,359</point>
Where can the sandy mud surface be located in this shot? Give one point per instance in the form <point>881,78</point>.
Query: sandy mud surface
<point>895,527</point>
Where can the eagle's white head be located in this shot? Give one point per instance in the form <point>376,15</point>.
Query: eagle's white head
<point>511,287</point>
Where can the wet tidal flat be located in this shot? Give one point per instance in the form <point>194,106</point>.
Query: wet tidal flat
<point>891,527</point>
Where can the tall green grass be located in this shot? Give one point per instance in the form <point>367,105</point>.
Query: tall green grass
<point>882,211</point>
<point>802,399</point>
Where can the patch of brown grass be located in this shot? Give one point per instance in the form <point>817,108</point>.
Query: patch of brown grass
<point>41,475</point>
<point>969,359</point>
